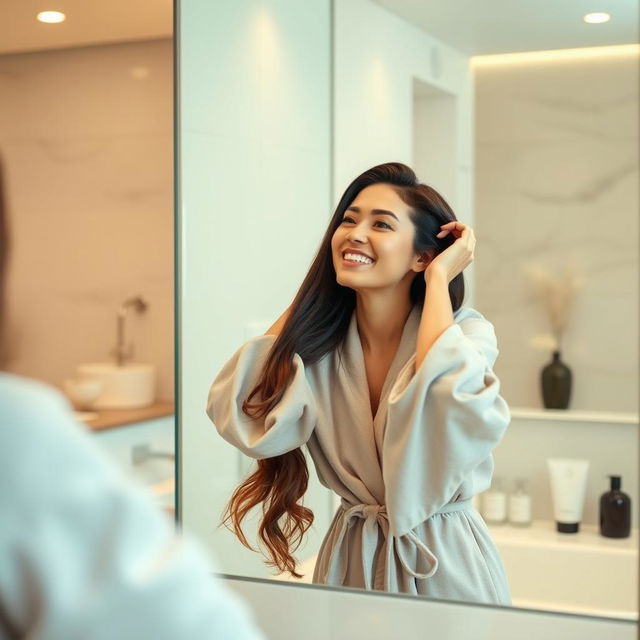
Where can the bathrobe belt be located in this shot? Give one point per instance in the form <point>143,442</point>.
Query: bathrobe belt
<point>375,515</point>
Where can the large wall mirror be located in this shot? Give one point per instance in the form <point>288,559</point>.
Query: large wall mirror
<point>523,117</point>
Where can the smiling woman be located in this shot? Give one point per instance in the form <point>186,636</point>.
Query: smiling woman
<point>405,443</point>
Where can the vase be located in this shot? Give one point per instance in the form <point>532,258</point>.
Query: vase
<point>556,384</point>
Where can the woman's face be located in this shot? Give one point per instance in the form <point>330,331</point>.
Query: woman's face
<point>376,224</point>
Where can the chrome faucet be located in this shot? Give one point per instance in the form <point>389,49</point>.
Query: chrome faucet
<point>142,452</point>
<point>122,352</point>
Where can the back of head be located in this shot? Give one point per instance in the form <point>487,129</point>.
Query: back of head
<point>4,251</point>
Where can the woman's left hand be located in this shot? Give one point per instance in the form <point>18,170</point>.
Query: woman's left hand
<point>457,257</point>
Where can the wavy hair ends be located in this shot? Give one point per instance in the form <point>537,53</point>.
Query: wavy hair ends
<point>317,325</point>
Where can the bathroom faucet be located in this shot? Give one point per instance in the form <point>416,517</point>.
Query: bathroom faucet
<point>142,452</point>
<point>121,351</point>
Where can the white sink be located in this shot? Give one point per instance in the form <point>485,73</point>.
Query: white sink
<point>124,387</point>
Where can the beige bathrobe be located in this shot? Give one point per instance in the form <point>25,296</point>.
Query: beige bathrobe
<point>406,476</point>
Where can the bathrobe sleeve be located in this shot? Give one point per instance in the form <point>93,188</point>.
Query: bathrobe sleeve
<point>443,420</point>
<point>285,427</point>
<point>84,551</point>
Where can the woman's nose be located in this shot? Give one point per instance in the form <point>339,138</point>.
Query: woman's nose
<point>357,234</point>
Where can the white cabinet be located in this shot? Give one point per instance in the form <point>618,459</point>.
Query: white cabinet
<point>146,451</point>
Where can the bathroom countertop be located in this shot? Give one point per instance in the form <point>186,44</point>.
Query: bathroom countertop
<point>113,418</point>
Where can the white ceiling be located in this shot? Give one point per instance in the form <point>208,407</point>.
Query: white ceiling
<point>473,27</point>
<point>88,22</point>
<point>481,27</point>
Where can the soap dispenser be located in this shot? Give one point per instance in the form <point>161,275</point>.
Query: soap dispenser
<point>615,511</point>
<point>494,503</point>
<point>520,505</point>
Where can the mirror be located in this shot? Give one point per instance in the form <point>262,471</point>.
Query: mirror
<point>527,148</point>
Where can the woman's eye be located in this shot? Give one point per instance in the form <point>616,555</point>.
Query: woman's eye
<point>349,219</point>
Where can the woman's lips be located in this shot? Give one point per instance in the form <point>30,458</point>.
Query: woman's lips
<point>354,263</point>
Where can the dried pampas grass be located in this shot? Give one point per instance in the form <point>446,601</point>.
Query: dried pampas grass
<point>556,294</point>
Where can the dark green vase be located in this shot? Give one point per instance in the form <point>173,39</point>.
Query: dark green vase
<point>556,384</point>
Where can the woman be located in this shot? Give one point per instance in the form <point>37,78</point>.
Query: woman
<point>84,553</point>
<point>388,380</point>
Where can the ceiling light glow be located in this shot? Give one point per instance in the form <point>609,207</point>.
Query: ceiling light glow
<point>597,18</point>
<point>51,17</point>
<point>556,55</point>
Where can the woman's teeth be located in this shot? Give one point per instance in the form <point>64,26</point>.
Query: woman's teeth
<point>356,257</point>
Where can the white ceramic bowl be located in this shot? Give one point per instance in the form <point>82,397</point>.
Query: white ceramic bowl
<point>83,393</point>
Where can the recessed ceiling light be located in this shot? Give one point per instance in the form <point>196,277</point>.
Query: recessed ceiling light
<point>51,16</point>
<point>596,18</point>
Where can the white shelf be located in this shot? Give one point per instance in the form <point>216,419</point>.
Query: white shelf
<point>543,533</point>
<point>568,415</point>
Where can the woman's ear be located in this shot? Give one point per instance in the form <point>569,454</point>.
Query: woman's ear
<point>423,260</point>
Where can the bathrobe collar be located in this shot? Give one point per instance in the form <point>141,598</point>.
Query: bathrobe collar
<point>353,358</point>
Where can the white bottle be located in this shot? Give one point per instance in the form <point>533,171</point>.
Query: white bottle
<point>520,505</point>
<point>494,503</point>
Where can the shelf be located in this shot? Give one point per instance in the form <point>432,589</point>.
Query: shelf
<point>111,418</point>
<point>543,532</point>
<point>568,415</point>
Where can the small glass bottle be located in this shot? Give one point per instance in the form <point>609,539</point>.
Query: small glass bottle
<point>494,503</point>
<point>615,511</point>
<point>520,505</point>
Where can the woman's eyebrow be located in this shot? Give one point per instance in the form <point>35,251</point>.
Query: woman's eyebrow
<point>375,212</point>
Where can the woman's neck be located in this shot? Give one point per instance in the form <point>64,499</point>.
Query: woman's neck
<point>381,321</point>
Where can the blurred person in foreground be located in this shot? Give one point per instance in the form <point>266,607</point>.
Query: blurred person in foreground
<point>84,552</point>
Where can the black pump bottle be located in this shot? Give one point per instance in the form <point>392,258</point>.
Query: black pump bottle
<point>615,511</point>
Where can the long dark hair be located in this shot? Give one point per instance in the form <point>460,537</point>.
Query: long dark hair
<point>317,324</point>
<point>4,254</point>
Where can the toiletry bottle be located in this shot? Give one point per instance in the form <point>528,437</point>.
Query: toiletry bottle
<point>568,478</point>
<point>520,505</point>
<point>494,503</point>
<point>615,511</point>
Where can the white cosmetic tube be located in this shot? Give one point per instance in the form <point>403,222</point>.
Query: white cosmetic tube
<point>568,479</point>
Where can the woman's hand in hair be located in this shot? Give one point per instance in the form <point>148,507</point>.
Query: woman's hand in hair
<point>457,257</point>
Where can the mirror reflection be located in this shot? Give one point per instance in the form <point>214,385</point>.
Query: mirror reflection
<point>376,346</point>
<point>395,277</point>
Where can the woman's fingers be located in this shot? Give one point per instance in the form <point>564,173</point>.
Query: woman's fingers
<point>455,227</point>
<point>444,229</point>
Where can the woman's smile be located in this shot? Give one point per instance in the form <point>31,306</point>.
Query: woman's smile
<point>356,260</point>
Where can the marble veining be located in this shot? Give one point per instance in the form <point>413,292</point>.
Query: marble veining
<point>557,183</point>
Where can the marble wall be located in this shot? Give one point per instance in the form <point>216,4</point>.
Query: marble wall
<point>86,137</point>
<point>557,184</point>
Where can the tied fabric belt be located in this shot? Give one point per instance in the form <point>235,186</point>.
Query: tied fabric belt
<point>375,515</point>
